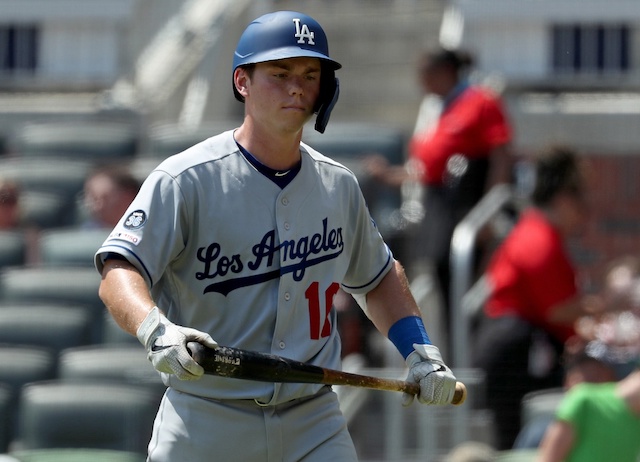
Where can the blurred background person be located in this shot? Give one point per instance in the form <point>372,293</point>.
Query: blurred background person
<point>107,193</point>
<point>580,365</point>
<point>462,150</point>
<point>616,330</point>
<point>9,205</point>
<point>596,422</point>
<point>534,299</point>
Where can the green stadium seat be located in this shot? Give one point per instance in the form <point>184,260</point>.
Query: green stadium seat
<point>74,455</point>
<point>6,417</point>
<point>112,416</point>
<point>86,140</point>
<point>110,363</point>
<point>47,325</point>
<point>13,248</point>
<point>72,285</point>
<point>516,455</point>
<point>19,365</point>
<point>164,140</point>
<point>70,246</point>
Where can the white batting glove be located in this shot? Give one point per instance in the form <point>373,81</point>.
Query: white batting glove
<point>426,368</point>
<point>166,345</point>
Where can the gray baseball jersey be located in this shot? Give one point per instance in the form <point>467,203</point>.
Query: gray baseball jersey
<point>228,252</point>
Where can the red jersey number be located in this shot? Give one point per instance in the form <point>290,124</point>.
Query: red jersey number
<point>319,323</point>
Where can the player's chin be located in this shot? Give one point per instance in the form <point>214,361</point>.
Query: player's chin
<point>296,117</point>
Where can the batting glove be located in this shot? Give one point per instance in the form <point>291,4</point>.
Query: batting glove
<point>166,345</point>
<point>426,368</point>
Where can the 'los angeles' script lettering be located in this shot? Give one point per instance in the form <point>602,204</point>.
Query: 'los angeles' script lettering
<point>296,255</point>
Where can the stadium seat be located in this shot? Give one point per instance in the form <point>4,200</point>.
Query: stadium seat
<point>106,415</point>
<point>540,403</point>
<point>48,188</point>
<point>19,365</point>
<point>74,455</point>
<point>8,458</point>
<point>6,417</point>
<point>86,140</point>
<point>70,247</point>
<point>13,248</point>
<point>72,285</point>
<point>103,363</point>
<point>164,140</point>
<point>48,175</point>
<point>44,210</point>
<point>48,325</point>
<point>516,455</point>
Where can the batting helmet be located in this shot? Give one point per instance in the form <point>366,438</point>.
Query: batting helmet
<point>288,34</point>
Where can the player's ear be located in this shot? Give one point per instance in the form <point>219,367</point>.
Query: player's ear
<point>240,80</point>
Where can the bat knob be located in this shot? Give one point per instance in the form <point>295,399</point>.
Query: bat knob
<point>460,395</point>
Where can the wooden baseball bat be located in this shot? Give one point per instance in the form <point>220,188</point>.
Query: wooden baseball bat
<point>250,365</point>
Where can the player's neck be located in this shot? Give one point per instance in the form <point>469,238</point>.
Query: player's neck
<point>275,150</point>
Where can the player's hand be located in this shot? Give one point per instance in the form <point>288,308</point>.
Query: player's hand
<point>426,368</point>
<point>166,345</point>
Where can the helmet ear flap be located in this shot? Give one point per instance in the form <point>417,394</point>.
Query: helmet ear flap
<point>329,93</point>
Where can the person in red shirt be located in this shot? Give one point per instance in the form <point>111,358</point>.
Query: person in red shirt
<point>534,299</point>
<point>457,157</point>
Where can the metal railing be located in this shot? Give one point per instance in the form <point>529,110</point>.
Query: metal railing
<point>463,244</point>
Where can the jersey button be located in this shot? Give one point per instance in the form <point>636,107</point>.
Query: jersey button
<point>285,201</point>
<point>287,296</point>
<point>281,345</point>
<point>287,226</point>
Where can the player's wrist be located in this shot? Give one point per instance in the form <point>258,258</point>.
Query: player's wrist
<point>407,332</point>
<point>149,326</point>
<point>423,352</point>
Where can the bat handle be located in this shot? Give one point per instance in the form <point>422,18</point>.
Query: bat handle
<point>459,396</point>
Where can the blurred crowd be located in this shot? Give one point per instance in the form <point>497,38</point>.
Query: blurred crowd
<point>538,330</point>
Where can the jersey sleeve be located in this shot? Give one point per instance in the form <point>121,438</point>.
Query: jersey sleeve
<point>370,257</point>
<point>151,233</point>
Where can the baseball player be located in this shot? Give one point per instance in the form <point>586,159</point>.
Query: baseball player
<point>243,240</point>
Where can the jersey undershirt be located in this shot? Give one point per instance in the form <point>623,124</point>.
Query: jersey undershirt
<point>280,177</point>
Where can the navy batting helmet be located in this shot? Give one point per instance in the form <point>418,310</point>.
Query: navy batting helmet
<point>288,34</point>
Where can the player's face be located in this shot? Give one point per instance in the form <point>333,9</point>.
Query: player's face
<point>283,92</point>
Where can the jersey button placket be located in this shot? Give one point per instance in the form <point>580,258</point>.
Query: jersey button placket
<point>286,295</point>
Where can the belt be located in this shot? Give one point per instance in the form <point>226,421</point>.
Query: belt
<point>325,389</point>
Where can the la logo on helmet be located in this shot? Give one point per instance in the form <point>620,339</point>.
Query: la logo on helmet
<point>303,32</point>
